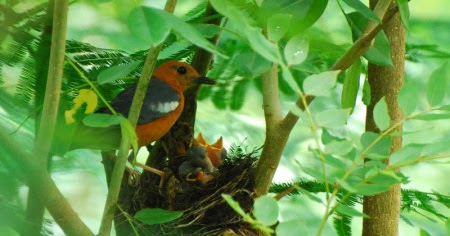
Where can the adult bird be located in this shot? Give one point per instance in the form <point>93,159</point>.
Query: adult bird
<point>163,104</point>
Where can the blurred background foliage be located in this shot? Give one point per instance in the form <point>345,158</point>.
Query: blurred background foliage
<point>101,34</point>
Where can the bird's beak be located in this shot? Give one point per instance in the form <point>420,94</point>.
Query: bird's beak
<point>203,80</point>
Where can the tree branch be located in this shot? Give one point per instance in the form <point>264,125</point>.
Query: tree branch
<point>136,105</point>
<point>57,19</point>
<point>45,189</point>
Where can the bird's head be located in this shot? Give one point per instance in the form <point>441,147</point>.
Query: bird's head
<point>198,167</point>
<point>180,74</point>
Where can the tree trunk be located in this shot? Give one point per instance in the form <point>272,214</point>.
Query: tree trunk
<point>385,81</point>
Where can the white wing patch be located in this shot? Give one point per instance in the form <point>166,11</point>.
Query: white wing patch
<point>164,107</point>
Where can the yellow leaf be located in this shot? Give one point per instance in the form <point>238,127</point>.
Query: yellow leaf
<point>84,96</point>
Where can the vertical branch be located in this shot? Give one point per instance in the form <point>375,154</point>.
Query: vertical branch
<point>276,135</point>
<point>384,209</point>
<point>57,19</point>
<point>136,105</point>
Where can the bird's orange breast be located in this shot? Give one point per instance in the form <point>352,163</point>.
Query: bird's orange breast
<point>154,130</point>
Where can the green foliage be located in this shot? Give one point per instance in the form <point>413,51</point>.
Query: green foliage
<point>437,85</point>
<point>157,215</point>
<point>379,53</point>
<point>351,85</point>
<point>381,115</point>
<point>266,210</point>
<point>362,9</point>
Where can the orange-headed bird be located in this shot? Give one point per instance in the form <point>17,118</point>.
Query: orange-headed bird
<point>163,104</point>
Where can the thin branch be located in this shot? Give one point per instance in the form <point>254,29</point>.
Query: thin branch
<point>136,105</point>
<point>45,188</point>
<point>46,128</point>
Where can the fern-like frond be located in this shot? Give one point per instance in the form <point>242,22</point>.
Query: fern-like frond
<point>342,224</point>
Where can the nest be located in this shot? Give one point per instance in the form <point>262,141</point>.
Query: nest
<point>204,210</point>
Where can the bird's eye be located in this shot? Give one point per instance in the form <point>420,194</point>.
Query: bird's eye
<point>181,70</point>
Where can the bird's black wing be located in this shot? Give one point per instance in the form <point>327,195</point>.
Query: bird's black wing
<point>160,100</point>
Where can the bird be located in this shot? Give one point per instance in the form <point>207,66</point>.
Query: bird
<point>202,161</point>
<point>197,167</point>
<point>163,104</point>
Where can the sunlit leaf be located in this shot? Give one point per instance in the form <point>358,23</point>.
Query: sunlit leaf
<point>433,116</point>
<point>404,12</point>
<point>320,84</point>
<point>332,118</point>
<point>296,50</point>
<point>265,210</point>
<point>278,25</point>
<point>291,227</point>
<point>381,114</point>
<point>287,76</point>
<point>102,120</point>
<point>407,98</point>
<point>116,72</point>
<point>405,155</point>
<point>437,84</point>
<point>85,96</point>
<point>347,186</point>
<point>423,232</point>
<point>351,85</point>
<point>260,44</point>
<point>148,26</point>
<point>339,147</point>
<point>362,8</point>
<point>350,211</point>
<point>376,146</point>
<point>157,215</point>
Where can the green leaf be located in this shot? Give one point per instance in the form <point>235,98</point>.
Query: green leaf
<point>128,131</point>
<point>423,232</point>
<point>363,9</point>
<point>309,194</point>
<point>436,148</point>
<point>407,98</point>
<point>339,147</point>
<point>208,30</point>
<point>381,114</point>
<point>260,44</point>
<point>433,116</point>
<point>187,31</point>
<point>157,215</point>
<point>246,27</point>
<point>346,186</point>
<point>351,86</point>
<point>287,76</point>
<point>291,227</point>
<point>332,118</point>
<point>146,25</point>
<point>116,72</point>
<point>278,25</point>
<point>378,150</point>
<point>405,155</point>
<point>265,210</point>
<point>350,211</point>
<point>102,120</point>
<point>372,189</point>
<point>447,226</point>
<point>238,95</point>
<point>404,12</point>
<point>437,84</point>
<point>367,97</point>
<point>320,84</point>
<point>235,205</point>
<point>379,53</point>
<point>296,50</point>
